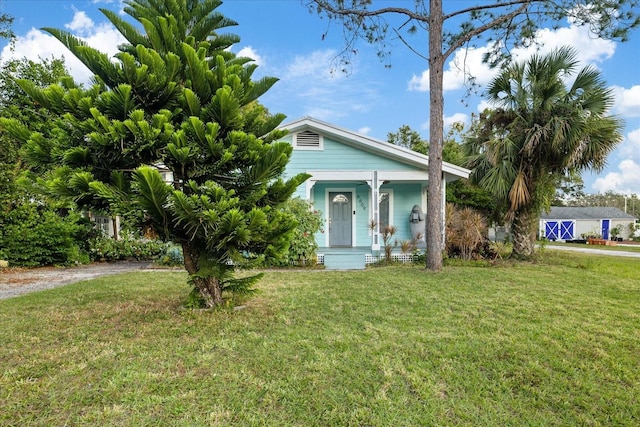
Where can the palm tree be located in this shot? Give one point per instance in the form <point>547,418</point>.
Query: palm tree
<point>540,130</point>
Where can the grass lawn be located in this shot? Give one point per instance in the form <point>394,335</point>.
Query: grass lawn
<point>625,247</point>
<point>551,343</point>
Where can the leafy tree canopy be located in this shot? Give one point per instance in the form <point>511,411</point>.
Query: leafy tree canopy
<point>174,99</point>
<point>14,103</point>
<point>408,138</point>
<point>34,229</point>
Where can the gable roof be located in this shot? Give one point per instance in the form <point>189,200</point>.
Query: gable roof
<point>372,145</point>
<point>586,212</point>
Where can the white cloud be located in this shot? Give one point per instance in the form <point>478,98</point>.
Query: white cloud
<point>106,39</point>
<point>627,101</point>
<point>364,130</point>
<point>634,140</point>
<point>448,121</point>
<point>316,66</point>
<point>457,117</point>
<point>630,147</point>
<point>80,24</point>
<point>626,180</point>
<point>589,50</point>
<point>465,63</point>
<point>250,52</point>
<point>120,4</point>
<point>483,105</point>
<point>308,86</point>
<point>419,83</point>
<point>36,45</point>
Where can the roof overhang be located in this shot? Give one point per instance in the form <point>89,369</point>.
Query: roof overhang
<point>375,146</point>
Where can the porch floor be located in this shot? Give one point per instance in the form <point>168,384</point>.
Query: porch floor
<point>355,258</point>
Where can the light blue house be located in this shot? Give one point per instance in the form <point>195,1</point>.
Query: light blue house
<point>360,184</point>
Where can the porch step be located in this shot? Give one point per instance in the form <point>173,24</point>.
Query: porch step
<point>344,260</point>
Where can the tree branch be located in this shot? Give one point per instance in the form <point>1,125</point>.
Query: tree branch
<point>408,45</point>
<point>365,13</point>
<point>479,30</point>
<point>490,6</point>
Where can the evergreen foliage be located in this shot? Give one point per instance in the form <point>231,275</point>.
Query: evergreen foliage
<point>408,138</point>
<point>174,97</point>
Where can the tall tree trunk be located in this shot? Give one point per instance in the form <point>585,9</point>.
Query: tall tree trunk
<point>208,287</point>
<point>436,130</point>
<point>523,229</point>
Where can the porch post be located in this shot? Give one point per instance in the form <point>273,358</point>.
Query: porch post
<point>375,210</point>
<point>444,208</point>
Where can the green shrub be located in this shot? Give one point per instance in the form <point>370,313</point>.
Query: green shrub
<point>172,257</point>
<point>34,235</point>
<point>302,250</point>
<point>107,249</point>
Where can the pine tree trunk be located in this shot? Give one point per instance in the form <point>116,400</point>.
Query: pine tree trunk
<point>435,240</point>
<point>523,229</point>
<point>209,287</point>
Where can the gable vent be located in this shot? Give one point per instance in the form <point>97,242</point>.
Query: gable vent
<point>308,140</point>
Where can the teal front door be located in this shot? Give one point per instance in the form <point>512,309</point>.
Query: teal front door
<point>340,219</point>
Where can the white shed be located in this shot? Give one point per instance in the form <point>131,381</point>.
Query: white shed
<point>575,222</point>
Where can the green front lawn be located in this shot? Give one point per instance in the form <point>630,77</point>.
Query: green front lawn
<point>551,343</point>
<point>623,246</point>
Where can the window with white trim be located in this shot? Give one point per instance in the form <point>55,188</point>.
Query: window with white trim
<point>384,209</point>
<point>103,224</point>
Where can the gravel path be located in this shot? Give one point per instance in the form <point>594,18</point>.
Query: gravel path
<point>15,282</point>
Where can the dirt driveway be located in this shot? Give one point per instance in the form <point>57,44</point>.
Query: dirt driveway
<point>14,282</point>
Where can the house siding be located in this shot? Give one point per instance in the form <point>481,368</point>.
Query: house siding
<point>587,227</point>
<point>342,157</point>
<point>405,196</point>
<point>339,156</point>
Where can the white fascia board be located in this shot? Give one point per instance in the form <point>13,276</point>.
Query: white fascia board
<point>349,175</point>
<point>338,175</point>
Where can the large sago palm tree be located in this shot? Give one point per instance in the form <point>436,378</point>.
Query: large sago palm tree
<point>174,97</point>
<point>549,119</point>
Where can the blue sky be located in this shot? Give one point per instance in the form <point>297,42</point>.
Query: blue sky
<point>287,42</point>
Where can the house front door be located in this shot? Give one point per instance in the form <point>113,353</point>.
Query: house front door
<point>605,229</point>
<point>340,219</point>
